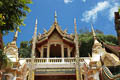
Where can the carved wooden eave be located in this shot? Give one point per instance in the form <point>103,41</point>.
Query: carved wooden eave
<point>68,40</point>
<point>55,26</point>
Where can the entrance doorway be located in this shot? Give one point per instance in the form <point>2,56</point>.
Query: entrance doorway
<point>55,50</point>
<point>45,52</point>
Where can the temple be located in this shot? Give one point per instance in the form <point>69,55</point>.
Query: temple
<point>55,43</point>
<point>55,56</point>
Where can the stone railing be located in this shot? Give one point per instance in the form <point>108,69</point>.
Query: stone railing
<point>53,60</point>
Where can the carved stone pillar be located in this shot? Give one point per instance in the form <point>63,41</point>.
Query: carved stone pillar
<point>68,49</point>
<point>48,50</point>
<point>41,52</point>
<point>62,50</point>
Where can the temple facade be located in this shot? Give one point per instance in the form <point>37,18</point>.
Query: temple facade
<point>55,49</point>
<point>55,43</point>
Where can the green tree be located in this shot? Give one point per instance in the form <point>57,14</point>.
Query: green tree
<point>12,14</point>
<point>25,49</point>
<point>87,41</point>
<point>119,10</point>
<point>108,39</point>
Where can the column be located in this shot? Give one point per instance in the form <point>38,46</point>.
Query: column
<point>41,52</point>
<point>68,49</point>
<point>48,50</point>
<point>62,50</point>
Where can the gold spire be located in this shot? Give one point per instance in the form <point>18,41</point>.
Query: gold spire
<point>93,32</point>
<point>55,17</point>
<point>75,25</point>
<point>36,22</point>
<point>31,76</point>
<point>78,74</point>
<point>76,38</point>
<point>16,35</point>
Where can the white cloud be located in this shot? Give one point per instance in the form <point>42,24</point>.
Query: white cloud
<point>113,9</point>
<point>68,1</point>
<point>84,0</point>
<point>92,14</point>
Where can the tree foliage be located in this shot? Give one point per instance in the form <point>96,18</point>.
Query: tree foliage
<point>12,13</point>
<point>108,39</point>
<point>119,10</point>
<point>87,41</point>
<point>25,49</point>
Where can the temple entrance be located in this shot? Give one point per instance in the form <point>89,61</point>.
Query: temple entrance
<point>55,50</point>
<point>56,77</point>
<point>45,52</point>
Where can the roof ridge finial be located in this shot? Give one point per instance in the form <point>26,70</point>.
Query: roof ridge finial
<point>55,16</point>
<point>93,32</point>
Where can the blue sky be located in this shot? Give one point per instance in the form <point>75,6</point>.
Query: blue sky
<point>98,12</point>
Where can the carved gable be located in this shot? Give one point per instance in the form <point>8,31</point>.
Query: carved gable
<point>55,36</point>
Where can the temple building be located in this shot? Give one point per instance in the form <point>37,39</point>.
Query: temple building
<point>55,49</point>
<point>55,43</point>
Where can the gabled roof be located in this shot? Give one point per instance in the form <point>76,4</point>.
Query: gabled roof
<point>55,26</point>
